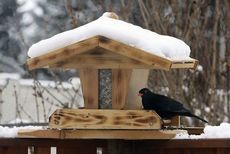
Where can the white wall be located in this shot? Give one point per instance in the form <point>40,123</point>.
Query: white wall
<point>21,94</point>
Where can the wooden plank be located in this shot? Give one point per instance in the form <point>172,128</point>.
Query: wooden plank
<point>149,144</point>
<point>104,119</point>
<point>61,150</point>
<point>191,63</point>
<point>222,151</point>
<point>120,84</point>
<point>89,83</point>
<point>203,151</point>
<point>134,53</point>
<point>83,150</point>
<point>186,65</point>
<point>100,134</point>
<point>62,54</point>
<point>14,150</point>
<point>194,130</point>
<point>186,151</point>
<point>42,150</point>
<point>175,121</point>
<point>100,58</point>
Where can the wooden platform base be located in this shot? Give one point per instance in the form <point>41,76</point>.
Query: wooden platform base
<point>99,134</point>
<point>104,119</point>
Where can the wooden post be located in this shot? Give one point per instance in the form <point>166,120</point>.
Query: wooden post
<point>42,150</point>
<point>89,83</point>
<point>1,102</point>
<point>175,121</point>
<point>120,85</point>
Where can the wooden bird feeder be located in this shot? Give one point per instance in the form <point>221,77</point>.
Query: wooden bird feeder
<point>91,55</point>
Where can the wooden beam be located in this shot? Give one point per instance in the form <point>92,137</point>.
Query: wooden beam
<point>42,150</point>
<point>89,83</point>
<point>194,130</point>
<point>99,134</point>
<point>89,149</point>
<point>13,150</point>
<point>192,63</point>
<point>175,121</point>
<point>104,119</point>
<point>62,54</point>
<point>100,58</point>
<point>120,85</point>
<point>134,53</point>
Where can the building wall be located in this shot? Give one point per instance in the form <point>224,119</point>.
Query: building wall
<point>24,100</point>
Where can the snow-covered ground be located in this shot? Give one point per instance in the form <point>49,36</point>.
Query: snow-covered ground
<point>13,132</point>
<point>162,45</point>
<point>221,131</point>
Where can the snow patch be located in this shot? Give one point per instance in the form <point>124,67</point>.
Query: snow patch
<point>18,120</point>
<point>27,18</point>
<point>30,6</point>
<point>5,76</point>
<point>197,112</point>
<point>185,88</point>
<point>222,131</point>
<point>161,45</point>
<point>207,109</point>
<point>13,132</point>
<point>199,68</point>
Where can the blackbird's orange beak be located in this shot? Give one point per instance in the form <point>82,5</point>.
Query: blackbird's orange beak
<point>140,94</point>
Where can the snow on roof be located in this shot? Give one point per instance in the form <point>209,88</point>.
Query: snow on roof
<point>222,131</point>
<point>118,30</point>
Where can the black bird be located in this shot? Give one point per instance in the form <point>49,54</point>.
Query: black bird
<point>164,106</point>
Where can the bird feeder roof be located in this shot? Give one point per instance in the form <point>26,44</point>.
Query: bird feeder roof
<point>101,52</point>
<point>110,43</point>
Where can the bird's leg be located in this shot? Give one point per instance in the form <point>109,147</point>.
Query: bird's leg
<point>162,124</point>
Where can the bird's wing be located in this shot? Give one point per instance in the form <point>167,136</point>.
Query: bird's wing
<point>168,104</point>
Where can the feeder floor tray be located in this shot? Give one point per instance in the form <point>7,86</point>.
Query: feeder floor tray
<point>99,134</point>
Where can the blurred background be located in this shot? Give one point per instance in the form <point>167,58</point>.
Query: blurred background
<point>203,24</point>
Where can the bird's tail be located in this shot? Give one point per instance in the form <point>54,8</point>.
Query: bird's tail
<point>195,116</point>
<point>200,118</point>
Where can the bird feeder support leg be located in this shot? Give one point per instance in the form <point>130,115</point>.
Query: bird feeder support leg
<point>89,83</point>
<point>120,85</point>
